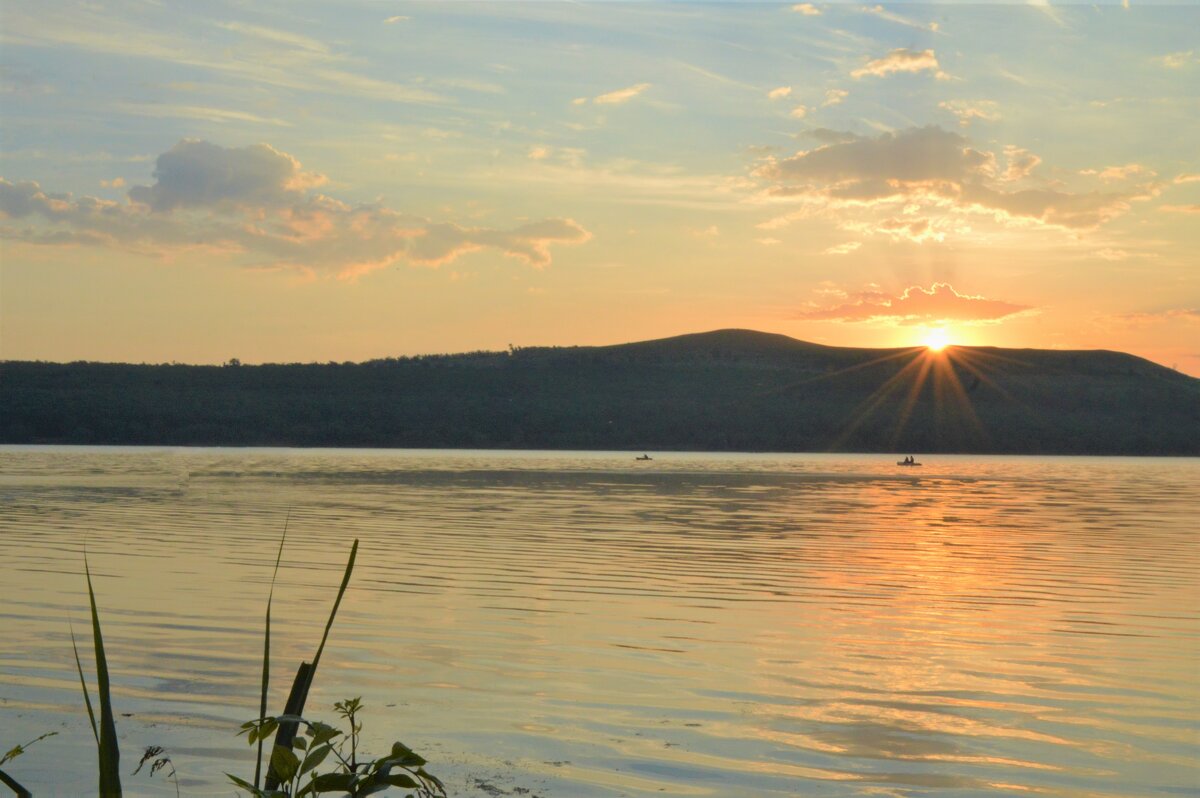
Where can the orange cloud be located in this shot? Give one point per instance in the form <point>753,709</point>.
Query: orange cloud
<point>900,60</point>
<point>939,303</point>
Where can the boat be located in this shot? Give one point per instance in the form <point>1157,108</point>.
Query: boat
<point>644,457</point>
<point>903,463</point>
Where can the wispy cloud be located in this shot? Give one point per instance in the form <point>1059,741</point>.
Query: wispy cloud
<point>901,60</point>
<point>395,19</point>
<point>616,97</point>
<point>807,9</point>
<point>200,112</point>
<point>892,16</point>
<point>1178,60</point>
<point>969,110</point>
<point>842,249</point>
<point>779,93</point>
<point>939,303</point>
<point>835,97</point>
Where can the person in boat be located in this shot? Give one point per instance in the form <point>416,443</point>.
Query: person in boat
<point>908,460</point>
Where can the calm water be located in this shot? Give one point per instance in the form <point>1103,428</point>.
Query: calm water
<point>581,624</point>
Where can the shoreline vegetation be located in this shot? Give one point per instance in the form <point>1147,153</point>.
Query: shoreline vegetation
<point>728,390</point>
<point>299,747</point>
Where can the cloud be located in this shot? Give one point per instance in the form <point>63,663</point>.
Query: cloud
<point>1112,173</point>
<point>780,93</point>
<point>1177,60</point>
<point>1180,208</point>
<point>1191,315</point>
<point>916,230</point>
<point>1108,253</point>
<point>932,168</point>
<point>116,182</point>
<point>807,9</point>
<point>842,249</point>
<point>616,97</point>
<point>901,60</point>
<point>835,97</point>
<point>196,173</point>
<point>1020,163</point>
<point>1186,178</point>
<point>968,111</point>
<point>890,16</point>
<point>939,303</point>
<point>258,205</point>
<point>539,153</point>
<point>799,112</point>
<point>395,19</point>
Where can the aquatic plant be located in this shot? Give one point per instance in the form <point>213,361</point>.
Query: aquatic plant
<point>402,767</point>
<point>109,753</point>
<point>10,755</point>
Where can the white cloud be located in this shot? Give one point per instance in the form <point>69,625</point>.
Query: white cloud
<point>395,19</point>
<point>799,112</point>
<point>779,93</point>
<point>807,9</point>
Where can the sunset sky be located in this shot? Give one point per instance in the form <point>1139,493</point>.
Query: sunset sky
<point>302,181</point>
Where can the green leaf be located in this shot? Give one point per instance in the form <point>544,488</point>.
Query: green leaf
<point>83,684</point>
<point>315,757</point>
<point>336,603</point>
<point>400,780</point>
<point>299,744</point>
<point>331,782</point>
<point>284,763</point>
<point>266,665</point>
<point>110,754</point>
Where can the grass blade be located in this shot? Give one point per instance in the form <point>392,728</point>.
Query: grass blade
<point>333,613</point>
<point>266,668</point>
<point>110,754</point>
<point>87,700</point>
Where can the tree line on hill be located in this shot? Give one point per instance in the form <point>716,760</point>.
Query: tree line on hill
<point>728,390</point>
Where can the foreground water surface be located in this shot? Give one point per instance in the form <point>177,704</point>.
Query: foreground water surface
<point>578,624</point>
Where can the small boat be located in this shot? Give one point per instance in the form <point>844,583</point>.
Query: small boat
<point>903,463</point>
<point>644,457</point>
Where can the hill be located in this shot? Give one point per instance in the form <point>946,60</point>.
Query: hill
<point>722,390</point>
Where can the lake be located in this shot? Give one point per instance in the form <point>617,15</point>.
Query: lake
<point>582,624</point>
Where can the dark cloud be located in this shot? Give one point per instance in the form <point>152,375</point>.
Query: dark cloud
<point>199,174</point>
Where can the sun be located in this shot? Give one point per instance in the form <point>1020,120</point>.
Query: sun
<point>937,340</point>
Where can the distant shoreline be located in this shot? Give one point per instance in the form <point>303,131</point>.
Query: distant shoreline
<point>725,391</point>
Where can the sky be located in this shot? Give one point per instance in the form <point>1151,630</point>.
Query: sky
<point>297,182</point>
